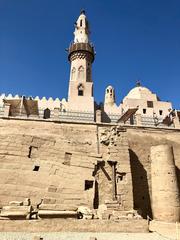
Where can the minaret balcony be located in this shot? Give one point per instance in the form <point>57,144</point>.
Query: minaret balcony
<point>82,47</point>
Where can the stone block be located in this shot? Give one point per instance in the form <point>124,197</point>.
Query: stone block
<point>15,203</point>
<point>49,201</point>
<point>52,188</point>
<point>37,238</point>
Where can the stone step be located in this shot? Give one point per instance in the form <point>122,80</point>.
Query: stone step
<point>120,214</point>
<point>74,226</point>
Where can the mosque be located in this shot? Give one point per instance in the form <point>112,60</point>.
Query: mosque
<point>140,104</point>
<point>77,158</point>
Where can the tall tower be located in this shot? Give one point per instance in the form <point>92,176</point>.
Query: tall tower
<point>81,56</point>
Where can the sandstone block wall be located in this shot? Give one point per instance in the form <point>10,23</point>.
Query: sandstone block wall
<point>57,162</point>
<point>46,160</point>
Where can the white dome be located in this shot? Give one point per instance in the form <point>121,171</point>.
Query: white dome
<point>140,92</point>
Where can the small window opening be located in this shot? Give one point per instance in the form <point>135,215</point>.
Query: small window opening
<point>160,112</point>
<point>150,104</point>
<point>88,184</point>
<point>81,23</point>
<point>107,90</point>
<point>144,111</point>
<point>36,168</point>
<point>120,177</point>
<point>80,90</point>
<point>67,158</point>
<point>143,197</point>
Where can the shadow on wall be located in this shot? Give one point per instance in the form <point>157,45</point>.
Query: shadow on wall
<point>141,194</point>
<point>178,177</point>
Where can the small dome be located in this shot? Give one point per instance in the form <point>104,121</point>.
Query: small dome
<point>109,89</point>
<point>140,92</point>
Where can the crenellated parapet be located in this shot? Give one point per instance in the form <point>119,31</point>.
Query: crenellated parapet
<point>43,102</point>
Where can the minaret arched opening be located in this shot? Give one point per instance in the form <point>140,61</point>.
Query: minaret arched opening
<point>81,22</point>
<point>81,73</point>
<point>73,72</point>
<point>80,90</point>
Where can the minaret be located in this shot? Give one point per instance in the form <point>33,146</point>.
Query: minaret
<point>81,56</point>
<point>109,96</point>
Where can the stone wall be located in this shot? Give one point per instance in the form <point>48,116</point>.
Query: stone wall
<point>46,160</point>
<point>57,162</point>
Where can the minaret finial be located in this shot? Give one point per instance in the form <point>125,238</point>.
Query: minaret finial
<point>83,11</point>
<point>138,83</point>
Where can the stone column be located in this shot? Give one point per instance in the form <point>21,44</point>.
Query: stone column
<point>165,192</point>
<point>6,109</point>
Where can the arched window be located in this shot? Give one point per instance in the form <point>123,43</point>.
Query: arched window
<point>80,90</point>
<point>73,72</point>
<point>81,73</point>
<point>47,113</point>
<point>81,21</point>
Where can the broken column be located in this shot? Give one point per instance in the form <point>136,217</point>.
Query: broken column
<point>165,192</point>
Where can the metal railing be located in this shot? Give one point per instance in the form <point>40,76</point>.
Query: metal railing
<point>76,116</point>
<point>154,122</point>
<point>79,116</point>
<point>1,111</point>
<point>47,114</point>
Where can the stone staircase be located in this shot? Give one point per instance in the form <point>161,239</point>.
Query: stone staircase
<point>115,211</point>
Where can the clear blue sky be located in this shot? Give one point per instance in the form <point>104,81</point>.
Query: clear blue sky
<point>134,39</point>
